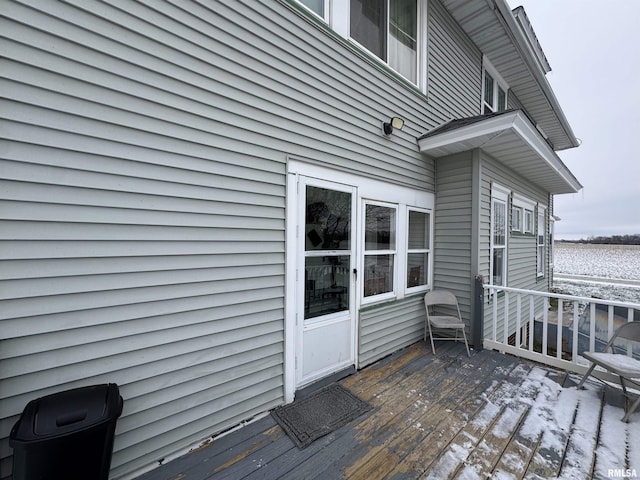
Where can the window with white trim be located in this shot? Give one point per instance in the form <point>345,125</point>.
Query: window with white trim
<point>379,248</point>
<point>397,250</point>
<point>494,90</point>
<point>522,214</point>
<point>528,221</point>
<point>393,31</point>
<point>498,240</point>
<point>542,233</point>
<point>389,30</point>
<point>418,249</point>
<point>516,219</point>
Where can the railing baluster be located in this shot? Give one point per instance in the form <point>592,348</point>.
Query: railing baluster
<point>630,316</point>
<point>559,329</point>
<point>599,329</point>
<point>545,325</point>
<point>532,321</point>
<point>592,327</point>
<point>505,323</point>
<point>610,322</point>
<point>574,346</point>
<point>495,316</point>
<point>518,319</point>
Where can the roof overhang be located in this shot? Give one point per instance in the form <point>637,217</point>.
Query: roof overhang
<point>508,41</point>
<point>512,140</point>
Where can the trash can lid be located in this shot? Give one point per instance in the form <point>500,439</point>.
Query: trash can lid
<point>68,411</point>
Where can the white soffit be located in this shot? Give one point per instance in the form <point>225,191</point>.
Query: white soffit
<point>494,29</point>
<point>512,140</point>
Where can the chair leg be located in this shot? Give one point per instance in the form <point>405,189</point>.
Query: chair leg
<point>586,375</point>
<point>466,344</point>
<point>433,347</point>
<point>632,409</point>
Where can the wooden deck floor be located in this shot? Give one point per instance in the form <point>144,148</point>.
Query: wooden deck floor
<point>440,417</point>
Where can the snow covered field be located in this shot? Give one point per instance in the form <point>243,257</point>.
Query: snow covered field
<point>601,263</point>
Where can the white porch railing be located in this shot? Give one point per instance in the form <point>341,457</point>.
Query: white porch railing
<point>551,328</point>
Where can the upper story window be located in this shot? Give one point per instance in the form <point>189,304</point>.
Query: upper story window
<point>494,90</point>
<point>393,31</point>
<point>389,30</point>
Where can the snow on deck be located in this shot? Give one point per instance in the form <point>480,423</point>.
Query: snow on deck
<point>441,417</point>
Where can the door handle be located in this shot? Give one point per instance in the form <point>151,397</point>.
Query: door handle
<point>355,273</point>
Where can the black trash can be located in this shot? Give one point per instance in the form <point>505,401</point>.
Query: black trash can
<point>67,435</point>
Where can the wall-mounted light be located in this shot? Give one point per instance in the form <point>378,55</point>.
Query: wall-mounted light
<point>395,122</point>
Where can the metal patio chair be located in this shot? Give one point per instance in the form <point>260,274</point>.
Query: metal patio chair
<point>625,367</point>
<point>437,298</point>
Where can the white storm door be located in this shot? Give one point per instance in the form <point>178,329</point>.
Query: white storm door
<point>325,279</point>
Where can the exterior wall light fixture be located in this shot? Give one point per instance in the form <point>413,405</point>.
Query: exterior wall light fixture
<point>395,122</point>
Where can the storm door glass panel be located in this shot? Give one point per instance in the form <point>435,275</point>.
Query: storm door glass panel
<point>380,249</point>
<point>327,251</point>
<point>326,285</point>
<point>403,27</point>
<point>328,219</point>
<point>368,25</point>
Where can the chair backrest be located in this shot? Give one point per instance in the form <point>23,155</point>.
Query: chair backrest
<point>628,331</point>
<point>440,297</point>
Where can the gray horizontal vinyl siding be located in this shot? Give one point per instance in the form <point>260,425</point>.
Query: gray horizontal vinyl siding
<point>143,169</point>
<point>454,67</point>
<point>521,249</point>
<point>389,327</point>
<point>453,229</point>
<point>454,75</point>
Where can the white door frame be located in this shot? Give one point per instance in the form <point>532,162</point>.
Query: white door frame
<point>295,268</point>
<point>367,188</point>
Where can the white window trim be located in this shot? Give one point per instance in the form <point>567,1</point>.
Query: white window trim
<point>498,81</point>
<point>394,252</point>
<point>524,204</point>
<point>527,227</point>
<point>499,194</point>
<point>541,262</point>
<point>410,290</point>
<point>516,226</point>
<point>339,19</point>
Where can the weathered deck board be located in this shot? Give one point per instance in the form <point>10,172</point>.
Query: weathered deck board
<point>442,416</point>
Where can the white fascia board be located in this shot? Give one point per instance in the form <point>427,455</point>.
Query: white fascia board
<point>483,131</point>
<point>481,134</point>
<point>534,140</point>
<point>532,62</point>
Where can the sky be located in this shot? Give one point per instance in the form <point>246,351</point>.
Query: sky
<point>593,47</point>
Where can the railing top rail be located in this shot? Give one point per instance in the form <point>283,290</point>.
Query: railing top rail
<point>615,303</point>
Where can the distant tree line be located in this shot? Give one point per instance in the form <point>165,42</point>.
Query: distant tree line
<point>610,240</point>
